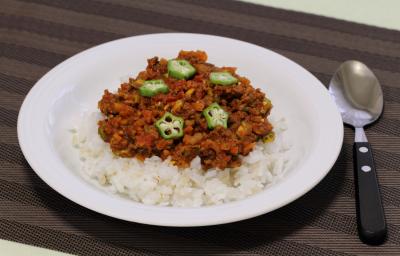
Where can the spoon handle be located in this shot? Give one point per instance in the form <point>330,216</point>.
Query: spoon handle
<point>370,215</point>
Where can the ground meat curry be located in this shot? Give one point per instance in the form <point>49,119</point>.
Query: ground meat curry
<point>183,108</point>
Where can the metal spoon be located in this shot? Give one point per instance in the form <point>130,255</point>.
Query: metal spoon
<point>358,95</point>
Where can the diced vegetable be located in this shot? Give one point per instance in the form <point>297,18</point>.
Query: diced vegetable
<point>151,88</point>
<point>177,106</point>
<point>267,102</point>
<point>180,69</point>
<point>189,92</point>
<point>244,129</point>
<point>170,126</point>
<point>101,133</point>
<point>216,116</point>
<point>270,137</point>
<point>222,78</point>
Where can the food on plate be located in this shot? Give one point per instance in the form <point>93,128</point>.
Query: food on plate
<point>185,108</point>
<point>184,133</point>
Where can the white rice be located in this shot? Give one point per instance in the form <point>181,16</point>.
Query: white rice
<point>157,182</point>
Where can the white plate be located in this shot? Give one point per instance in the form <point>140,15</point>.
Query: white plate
<point>75,86</point>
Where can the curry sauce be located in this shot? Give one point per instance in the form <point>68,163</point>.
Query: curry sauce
<point>131,114</point>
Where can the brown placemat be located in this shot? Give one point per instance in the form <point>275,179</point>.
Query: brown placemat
<point>35,35</point>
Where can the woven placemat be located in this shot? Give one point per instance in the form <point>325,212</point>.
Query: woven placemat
<point>35,35</point>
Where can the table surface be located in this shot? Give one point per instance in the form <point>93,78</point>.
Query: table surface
<point>367,12</point>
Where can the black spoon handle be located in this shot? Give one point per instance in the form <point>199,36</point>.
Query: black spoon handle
<point>370,215</point>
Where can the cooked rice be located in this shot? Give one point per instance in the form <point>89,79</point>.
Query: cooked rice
<point>157,182</point>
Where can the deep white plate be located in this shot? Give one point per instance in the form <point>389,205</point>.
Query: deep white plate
<point>74,87</point>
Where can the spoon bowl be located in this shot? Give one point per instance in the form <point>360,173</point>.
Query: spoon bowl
<point>357,93</point>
